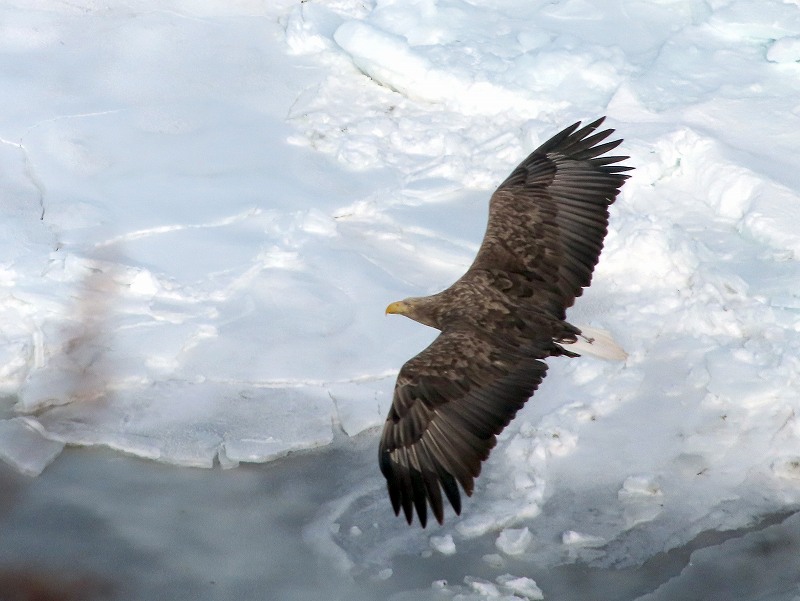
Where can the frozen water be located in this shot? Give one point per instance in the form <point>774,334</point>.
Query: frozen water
<point>97,526</point>
<point>25,447</point>
<point>205,209</point>
<point>514,541</point>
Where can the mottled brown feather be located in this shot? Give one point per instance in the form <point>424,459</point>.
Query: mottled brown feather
<point>545,232</point>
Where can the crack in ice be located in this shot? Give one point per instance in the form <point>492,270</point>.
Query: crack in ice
<point>165,229</point>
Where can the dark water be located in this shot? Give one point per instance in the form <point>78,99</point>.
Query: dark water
<point>135,529</point>
<point>99,525</point>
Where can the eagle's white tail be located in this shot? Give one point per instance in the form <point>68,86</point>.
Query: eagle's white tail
<point>598,343</point>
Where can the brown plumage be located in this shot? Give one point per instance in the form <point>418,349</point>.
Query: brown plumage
<point>547,222</point>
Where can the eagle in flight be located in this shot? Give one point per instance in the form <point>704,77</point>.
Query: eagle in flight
<point>546,226</point>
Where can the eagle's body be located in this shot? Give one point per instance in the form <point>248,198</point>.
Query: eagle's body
<point>547,222</point>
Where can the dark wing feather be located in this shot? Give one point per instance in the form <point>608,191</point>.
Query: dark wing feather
<point>450,401</point>
<point>547,220</point>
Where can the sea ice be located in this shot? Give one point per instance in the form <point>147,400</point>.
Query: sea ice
<point>26,447</point>
<point>514,541</point>
<point>202,224</point>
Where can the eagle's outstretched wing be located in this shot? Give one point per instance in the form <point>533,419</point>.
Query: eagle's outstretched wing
<point>547,220</point>
<point>449,403</point>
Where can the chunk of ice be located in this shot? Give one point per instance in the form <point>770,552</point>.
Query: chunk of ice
<point>24,446</point>
<point>514,541</point>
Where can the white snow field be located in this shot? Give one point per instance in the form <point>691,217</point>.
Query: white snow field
<point>206,207</point>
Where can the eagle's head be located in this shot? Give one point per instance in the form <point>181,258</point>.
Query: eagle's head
<point>418,308</point>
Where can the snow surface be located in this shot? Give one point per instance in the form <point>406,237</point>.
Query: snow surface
<point>206,207</point>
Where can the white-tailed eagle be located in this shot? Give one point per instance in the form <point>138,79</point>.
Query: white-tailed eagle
<point>547,222</point>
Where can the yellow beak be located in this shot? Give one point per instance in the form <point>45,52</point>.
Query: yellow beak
<point>398,308</point>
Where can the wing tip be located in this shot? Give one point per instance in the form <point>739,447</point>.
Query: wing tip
<point>411,492</point>
<point>583,143</point>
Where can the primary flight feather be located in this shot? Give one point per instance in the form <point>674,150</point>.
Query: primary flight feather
<point>547,222</point>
